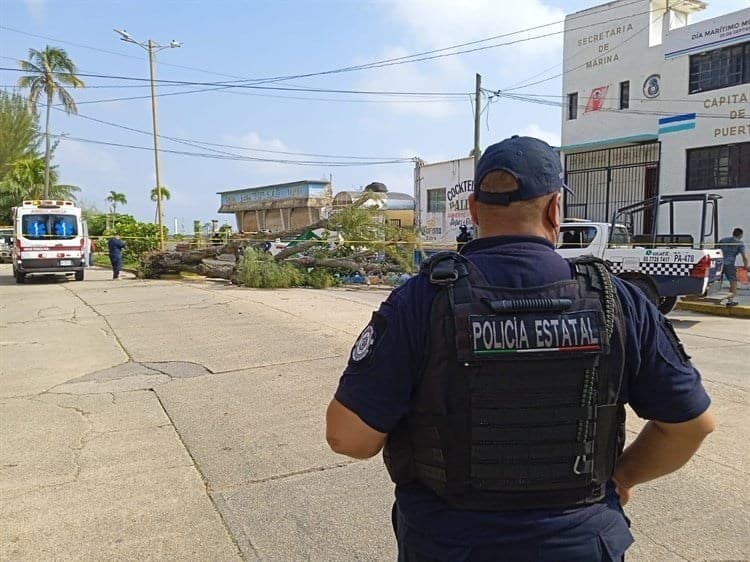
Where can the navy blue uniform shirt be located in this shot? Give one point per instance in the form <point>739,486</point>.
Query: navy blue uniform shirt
<point>115,246</point>
<point>657,383</point>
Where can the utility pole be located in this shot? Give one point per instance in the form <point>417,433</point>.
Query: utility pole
<point>159,210</point>
<point>152,48</point>
<point>477,115</point>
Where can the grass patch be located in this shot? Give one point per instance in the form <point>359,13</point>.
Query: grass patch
<point>259,270</point>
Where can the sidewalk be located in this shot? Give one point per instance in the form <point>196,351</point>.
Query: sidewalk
<point>715,302</point>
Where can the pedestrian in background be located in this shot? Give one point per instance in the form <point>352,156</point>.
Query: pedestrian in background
<point>463,237</point>
<point>115,247</point>
<point>731,247</point>
<point>496,379</point>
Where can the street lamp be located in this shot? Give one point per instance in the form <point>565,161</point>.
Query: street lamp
<point>152,48</point>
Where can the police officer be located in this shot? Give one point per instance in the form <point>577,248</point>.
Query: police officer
<point>496,381</point>
<point>463,237</point>
<point>115,247</point>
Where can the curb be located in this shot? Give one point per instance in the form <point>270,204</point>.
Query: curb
<point>739,311</point>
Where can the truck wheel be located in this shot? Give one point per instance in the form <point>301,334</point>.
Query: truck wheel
<point>647,288</point>
<point>79,275</point>
<point>666,304</point>
<point>20,277</point>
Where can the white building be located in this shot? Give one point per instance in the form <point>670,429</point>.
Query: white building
<point>441,191</point>
<point>655,105</point>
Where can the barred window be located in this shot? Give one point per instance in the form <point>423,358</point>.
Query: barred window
<point>625,94</point>
<point>718,167</point>
<point>720,68</point>
<point>436,200</point>
<point>572,106</point>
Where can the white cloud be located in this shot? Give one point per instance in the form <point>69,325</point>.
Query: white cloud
<point>443,75</point>
<point>550,137</point>
<point>251,173</point>
<point>85,163</point>
<point>37,8</point>
<point>434,24</point>
<point>439,23</point>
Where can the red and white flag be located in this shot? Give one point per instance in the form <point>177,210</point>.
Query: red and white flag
<point>596,99</point>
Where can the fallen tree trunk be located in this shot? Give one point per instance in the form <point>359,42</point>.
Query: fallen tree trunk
<point>154,264</point>
<point>297,248</point>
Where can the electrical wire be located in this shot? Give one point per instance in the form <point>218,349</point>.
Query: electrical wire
<point>373,64</point>
<point>526,84</point>
<point>428,55</point>
<point>623,112</point>
<point>206,145</point>
<point>232,157</point>
<point>257,87</point>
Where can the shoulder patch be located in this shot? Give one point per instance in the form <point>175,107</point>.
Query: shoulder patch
<point>368,339</point>
<point>364,344</point>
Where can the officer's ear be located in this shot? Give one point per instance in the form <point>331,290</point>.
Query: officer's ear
<point>473,209</point>
<point>553,211</point>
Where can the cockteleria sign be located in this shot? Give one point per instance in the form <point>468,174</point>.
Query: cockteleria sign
<point>708,35</point>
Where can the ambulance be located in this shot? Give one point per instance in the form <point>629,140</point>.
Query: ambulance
<point>49,239</point>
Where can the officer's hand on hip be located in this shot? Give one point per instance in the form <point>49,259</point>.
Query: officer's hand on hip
<point>622,491</point>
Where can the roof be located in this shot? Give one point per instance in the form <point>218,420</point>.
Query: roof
<point>286,184</point>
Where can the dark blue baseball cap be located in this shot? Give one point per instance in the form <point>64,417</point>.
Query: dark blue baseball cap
<point>534,164</point>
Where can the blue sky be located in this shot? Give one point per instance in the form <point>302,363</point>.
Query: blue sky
<point>228,40</point>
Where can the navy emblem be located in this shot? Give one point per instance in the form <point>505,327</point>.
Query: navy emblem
<point>652,86</point>
<point>364,344</point>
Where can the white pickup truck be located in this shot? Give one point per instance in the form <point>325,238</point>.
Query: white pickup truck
<point>663,273</point>
<point>663,266</point>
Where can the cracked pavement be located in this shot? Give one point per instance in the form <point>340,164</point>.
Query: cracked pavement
<point>164,420</point>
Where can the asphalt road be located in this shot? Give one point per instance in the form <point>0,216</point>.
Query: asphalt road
<point>158,420</point>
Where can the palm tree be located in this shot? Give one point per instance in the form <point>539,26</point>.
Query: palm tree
<point>114,198</point>
<point>25,180</point>
<point>50,69</point>
<point>165,194</point>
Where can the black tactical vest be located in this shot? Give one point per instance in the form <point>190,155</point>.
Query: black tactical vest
<point>517,407</point>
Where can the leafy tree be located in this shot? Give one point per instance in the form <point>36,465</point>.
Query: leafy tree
<point>357,224</point>
<point>20,130</point>
<point>155,196</point>
<point>50,71</point>
<point>24,179</point>
<point>139,237</point>
<point>165,194</point>
<point>114,198</point>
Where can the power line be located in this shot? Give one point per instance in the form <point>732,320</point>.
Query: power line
<point>526,84</point>
<point>257,87</point>
<point>374,64</point>
<point>417,57</point>
<point>230,90</point>
<point>204,144</point>
<point>233,157</point>
<point>623,112</point>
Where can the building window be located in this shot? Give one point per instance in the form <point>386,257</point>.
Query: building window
<point>720,68</point>
<point>718,167</point>
<point>395,222</point>
<point>573,106</point>
<point>625,94</point>
<point>436,200</point>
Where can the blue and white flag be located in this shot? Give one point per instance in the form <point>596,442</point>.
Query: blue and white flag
<point>676,123</point>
